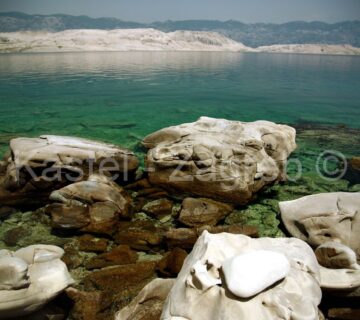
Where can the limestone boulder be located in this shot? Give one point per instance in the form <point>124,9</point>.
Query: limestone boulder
<point>37,166</point>
<point>94,205</point>
<point>329,222</point>
<point>206,287</point>
<point>220,159</point>
<point>29,278</point>
<point>324,217</point>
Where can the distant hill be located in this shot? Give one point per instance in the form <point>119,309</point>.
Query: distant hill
<point>252,35</point>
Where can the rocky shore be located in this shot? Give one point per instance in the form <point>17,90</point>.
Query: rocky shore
<point>171,240</point>
<point>87,40</point>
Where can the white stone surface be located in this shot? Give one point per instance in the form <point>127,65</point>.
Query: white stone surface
<point>250,273</point>
<point>29,278</point>
<point>295,297</point>
<point>117,40</point>
<point>221,159</point>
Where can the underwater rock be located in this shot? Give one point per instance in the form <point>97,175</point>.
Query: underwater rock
<point>118,256</point>
<point>200,293</point>
<point>324,217</point>
<point>94,205</point>
<point>29,278</point>
<point>330,222</point>
<point>140,234</point>
<point>220,159</point>
<point>120,284</point>
<point>87,305</point>
<point>38,166</point>
<point>246,276</point>
<point>172,262</point>
<point>185,238</point>
<point>148,304</point>
<point>90,243</point>
<point>201,211</point>
<point>159,208</point>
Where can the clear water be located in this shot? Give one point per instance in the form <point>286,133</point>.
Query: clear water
<point>121,97</point>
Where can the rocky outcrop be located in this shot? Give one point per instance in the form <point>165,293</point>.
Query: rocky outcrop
<point>94,205</point>
<point>330,222</point>
<point>29,278</point>
<point>202,292</point>
<point>38,166</point>
<point>217,158</point>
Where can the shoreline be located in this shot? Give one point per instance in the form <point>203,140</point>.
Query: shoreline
<point>149,40</point>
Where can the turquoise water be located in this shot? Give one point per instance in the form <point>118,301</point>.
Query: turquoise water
<point>120,97</point>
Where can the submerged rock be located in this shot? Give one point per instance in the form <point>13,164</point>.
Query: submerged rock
<point>200,292</point>
<point>220,159</point>
<point>29,278</point>
<point>199,212</point>
<point>38,166</point>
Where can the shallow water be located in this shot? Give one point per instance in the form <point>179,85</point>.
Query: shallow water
<point>121,97</point>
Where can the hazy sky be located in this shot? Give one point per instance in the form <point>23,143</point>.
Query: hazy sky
<point>159,10</point>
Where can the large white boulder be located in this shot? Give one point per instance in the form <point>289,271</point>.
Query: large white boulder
<point>40,165</point>
<point>329,222</point>
<point>29,278</point>
<point>217,158</point>
<point>205,287</point>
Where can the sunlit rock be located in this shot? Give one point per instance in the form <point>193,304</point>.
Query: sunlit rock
<point>29,278</point>
<point>217,158</point>
<point>204,289</point>
<point>39,165</point>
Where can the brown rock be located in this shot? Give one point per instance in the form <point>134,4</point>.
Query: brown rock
<point>355,163</point>
<point>139,235</point>
<point>344,314</point>
<point>6,211</point>
<point>152,193</point>
<point>148,304</point>
<point>159,208</point>
<point>138,185</point>
<point>120,284</point>
<point>171,263</point>
<point>68,217</point>
<point>72,258</point>
<point>87,305</point>
<point>92,244</point>
<point>118,256</point>
<point>12,236</point>
<point>201,211</point>
<point>185,238</point>
<point>182,237</point>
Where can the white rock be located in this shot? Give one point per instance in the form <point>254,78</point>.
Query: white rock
<point>329,222</point>
<point>29,278</point>
<point>217,158</point>
<point>296,297</point>
<point>118,40</point>
<point>250,273</point>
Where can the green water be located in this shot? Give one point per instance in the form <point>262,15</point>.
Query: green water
<point>121,97</point>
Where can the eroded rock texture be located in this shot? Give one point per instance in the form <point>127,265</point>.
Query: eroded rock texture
<point>330,222</point>
<point>202,292</point>
<point>36,166</point>
<point>94,205</point>
<point>217,158</point>
<point>29,278</point>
